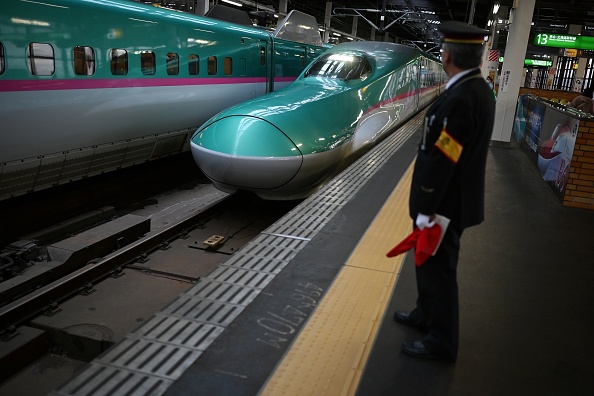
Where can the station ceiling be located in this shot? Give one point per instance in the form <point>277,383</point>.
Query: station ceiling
<point>412,21</point>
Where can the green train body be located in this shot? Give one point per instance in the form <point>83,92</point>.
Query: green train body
<point>90,86</point>
<point>283,145</point>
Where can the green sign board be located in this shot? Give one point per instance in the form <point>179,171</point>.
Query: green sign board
<point>564,41</point>
<point>533,62</point>
<point>537,62</point>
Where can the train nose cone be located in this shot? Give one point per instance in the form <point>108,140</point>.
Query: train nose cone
<point>245,151</point>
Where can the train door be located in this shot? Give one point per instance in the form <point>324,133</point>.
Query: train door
<point>421,80</point>
<point>289,60</point>
<point>267,63</point>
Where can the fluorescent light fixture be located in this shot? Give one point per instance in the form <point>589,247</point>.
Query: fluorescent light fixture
<point>496,8</point>
<point>342,57</point>
<point>232,2</point>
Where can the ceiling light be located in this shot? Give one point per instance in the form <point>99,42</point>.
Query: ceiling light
<point>232,2</point>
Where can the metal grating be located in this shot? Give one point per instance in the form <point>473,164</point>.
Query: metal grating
<point>273,266</point>
<point>104,380</point>
<point>241,277</point>
<point>209,290</point>
<point>178,332</point>
<point>150,358</point>
<point>214,312</point>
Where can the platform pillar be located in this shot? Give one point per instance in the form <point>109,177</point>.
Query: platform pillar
<point>511,72</point>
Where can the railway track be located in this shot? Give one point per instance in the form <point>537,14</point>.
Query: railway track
<point>92,288</point>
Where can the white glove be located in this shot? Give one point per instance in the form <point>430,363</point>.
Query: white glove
<point>423,221</point>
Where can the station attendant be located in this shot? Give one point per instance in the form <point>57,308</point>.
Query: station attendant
<point>449,179</point>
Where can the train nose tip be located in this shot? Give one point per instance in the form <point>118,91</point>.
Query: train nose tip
<point>246,151</point>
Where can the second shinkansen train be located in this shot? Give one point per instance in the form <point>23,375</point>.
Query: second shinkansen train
<point>285,144</point>
<point>89,86</point>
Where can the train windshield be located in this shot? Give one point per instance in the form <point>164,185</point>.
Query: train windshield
<point>343,66</point>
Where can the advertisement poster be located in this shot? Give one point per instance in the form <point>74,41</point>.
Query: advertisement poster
<point>548,137</point>
<point>528,124</point>
<point>558,134</point>
<point>504,81</point>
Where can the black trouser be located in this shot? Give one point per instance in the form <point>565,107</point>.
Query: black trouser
<point>437,303</point>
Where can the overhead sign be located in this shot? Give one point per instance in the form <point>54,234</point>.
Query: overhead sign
<point>554,25</point>
<point>537,62</point>
<point>570,52</point>
<point>564,41</point>
<point>534,62</point>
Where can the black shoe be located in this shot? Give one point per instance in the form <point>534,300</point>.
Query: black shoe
<point>419,350</point>
<point>405,319</point>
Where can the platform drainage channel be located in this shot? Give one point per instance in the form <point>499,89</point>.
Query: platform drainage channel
<point>149,359</point>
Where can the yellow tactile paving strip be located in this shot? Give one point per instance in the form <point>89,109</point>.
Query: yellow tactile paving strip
<point>329,355</point>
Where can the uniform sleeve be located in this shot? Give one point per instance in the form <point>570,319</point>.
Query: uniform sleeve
<point>453,133</point>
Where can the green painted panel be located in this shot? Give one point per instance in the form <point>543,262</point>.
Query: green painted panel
<point>245,136</point>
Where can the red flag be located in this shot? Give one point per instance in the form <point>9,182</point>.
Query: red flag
<point>425,242</point>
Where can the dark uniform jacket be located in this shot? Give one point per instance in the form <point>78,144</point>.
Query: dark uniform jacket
<point>449,173</point>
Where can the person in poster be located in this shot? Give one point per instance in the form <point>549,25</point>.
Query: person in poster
<point>554,154</point>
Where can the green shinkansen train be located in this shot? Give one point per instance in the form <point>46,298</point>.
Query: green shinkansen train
<point>285,144</point>
<point>90,86</point>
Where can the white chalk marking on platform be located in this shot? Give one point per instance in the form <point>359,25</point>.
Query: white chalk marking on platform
<point>231,374</point>
<point>287,236</point>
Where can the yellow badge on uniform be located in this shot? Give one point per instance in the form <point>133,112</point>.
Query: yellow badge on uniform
<point>449,146</point>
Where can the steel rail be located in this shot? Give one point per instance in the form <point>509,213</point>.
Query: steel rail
<point>48,296</point>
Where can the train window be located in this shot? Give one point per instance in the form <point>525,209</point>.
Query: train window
<point>172,64</point>
<point>262,56</point>
<point>228,66</point>
<point>212,65</point>
<point>118,62</point>
<point>343,66</point>
<point>41,59</point>
<point>147,63</point>
<point>84,61</point>
<point>193,65</point>
<point>1,58</point>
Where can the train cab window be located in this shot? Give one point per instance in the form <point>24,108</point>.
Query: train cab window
<point>84,61</point>
<point>1,58</point>
<point>342,66</point>
<point>41,59</point>
<point>212,65</point>
<point>172,64</point>
<point>118,62</point>
<point>193,64</point>
<point>147,63</point>
<point>228,66</point>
